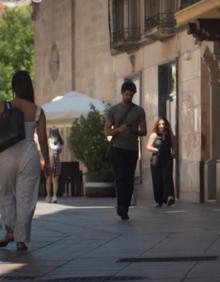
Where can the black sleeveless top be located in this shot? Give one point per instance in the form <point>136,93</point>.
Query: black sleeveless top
<point>163,144</point>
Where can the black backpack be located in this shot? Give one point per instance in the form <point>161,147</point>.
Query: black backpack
<point>11,126</point>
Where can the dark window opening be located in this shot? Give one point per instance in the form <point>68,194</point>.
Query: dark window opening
<point>124,22</point>
<point>159,13</point>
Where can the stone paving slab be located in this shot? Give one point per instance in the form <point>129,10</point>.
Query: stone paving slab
<point>82,239</point>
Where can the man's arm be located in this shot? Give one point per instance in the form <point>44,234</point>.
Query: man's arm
<point>142,131</point>
<point>110,131</point>
<point>142,127</point>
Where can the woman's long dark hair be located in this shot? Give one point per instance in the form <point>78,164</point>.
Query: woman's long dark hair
<point>22,86</point>
<point>167,126</point>
<point>54,133</point>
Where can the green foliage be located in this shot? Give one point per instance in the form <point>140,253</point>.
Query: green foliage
<point>88,143</point>
<point>16,46</point>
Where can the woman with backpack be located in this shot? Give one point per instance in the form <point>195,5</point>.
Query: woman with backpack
<point>20,166</point>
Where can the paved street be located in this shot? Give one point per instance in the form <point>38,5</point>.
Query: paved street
<point>82,239</point>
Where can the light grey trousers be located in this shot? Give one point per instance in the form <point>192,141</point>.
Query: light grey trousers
<point>19,185</point>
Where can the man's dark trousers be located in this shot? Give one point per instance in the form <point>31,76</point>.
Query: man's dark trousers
<point>124,162</point>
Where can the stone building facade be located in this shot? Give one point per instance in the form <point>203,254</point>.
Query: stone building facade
<point>84,45</point>
<point>72,49</point>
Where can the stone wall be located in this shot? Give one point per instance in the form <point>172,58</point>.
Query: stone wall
<point>94,74</point>
<point>53,49</point>
<point>189,118</point>
<point>72,49</point>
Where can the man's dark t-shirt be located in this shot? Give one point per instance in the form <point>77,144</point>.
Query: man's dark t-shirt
<point>136,115</point>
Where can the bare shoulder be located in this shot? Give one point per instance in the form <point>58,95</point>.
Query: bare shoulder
<point>28,108</point>
<point>153,135</point>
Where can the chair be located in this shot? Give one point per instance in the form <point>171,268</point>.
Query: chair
<point>70,181</point>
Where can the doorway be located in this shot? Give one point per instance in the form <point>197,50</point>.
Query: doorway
<point>168,104</point>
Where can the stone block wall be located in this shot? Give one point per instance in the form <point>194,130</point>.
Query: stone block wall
<point>94,73</point>
<point>53,49</point>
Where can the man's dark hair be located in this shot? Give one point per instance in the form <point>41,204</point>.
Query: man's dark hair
<point>128,85</point>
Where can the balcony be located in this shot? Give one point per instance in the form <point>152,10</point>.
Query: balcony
<point>186,3</point>
<point>125,39</point>
<point>159,19</point>
<point>203,9</point>
<point>161,26</point>
<point>124,19</point>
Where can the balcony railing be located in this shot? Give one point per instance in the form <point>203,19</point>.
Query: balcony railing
<point>125,39</point>
<point>124,22</point>
<point>126,34</point>
<point>161,19</point>
<point>186,3</point>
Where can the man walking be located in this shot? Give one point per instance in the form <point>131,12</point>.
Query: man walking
<point>125,122</point>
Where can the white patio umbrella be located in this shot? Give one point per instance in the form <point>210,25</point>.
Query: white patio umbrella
<point>71,105</point>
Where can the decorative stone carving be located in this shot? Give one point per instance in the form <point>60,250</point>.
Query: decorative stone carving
<point>217,54</point>
<point>213,63</point>
<point>205,29</point>
<point>211,60</point>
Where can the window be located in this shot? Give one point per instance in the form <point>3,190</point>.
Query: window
<point>124,16</point>
<point>159,13</point>
<point>117,19</point>
<point>152,9</point>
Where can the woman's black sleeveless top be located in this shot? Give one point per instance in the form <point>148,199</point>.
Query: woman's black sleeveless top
<point>163,144</point>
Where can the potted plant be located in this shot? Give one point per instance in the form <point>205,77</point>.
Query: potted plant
<point>88,143</point>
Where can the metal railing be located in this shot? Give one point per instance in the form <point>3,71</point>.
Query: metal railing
<point>124,22</point>
<point>186,3</point>
<point>160,13</point>
<point>160,19</point>
<point>126,34</point>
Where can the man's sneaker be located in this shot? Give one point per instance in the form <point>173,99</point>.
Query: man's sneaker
<point>170,201</point>
<point>54,199</point>
<point>48,199</point>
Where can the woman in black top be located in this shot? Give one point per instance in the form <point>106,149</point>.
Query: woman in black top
<point>162,145</point>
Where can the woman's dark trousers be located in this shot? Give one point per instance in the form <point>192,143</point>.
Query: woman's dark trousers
<point>124,162</point>
<point>162,178</point>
